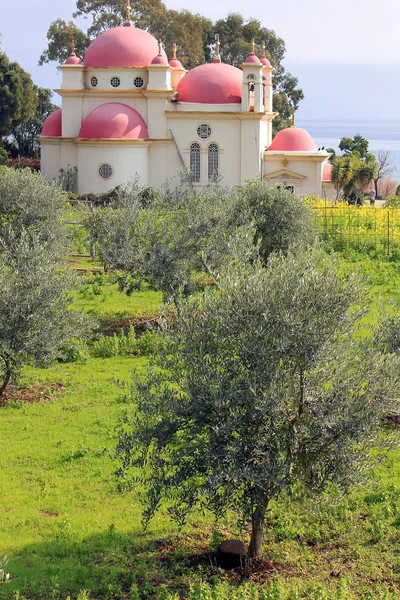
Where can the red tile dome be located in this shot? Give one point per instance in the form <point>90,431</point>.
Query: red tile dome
<point>252,59</point>
<point>160,60</point>
<point>114,121</point>
<point>213,83</point>
<point>52,125</point>
<point>175,63</point>
<point>72,60</point>
<point>124,46</point>
<point>293,139</point>
<point>264,61</point>
<point>327,172</point>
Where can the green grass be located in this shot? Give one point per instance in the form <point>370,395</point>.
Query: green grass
<point>65,526</point>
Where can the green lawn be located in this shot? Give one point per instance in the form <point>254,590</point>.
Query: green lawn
<point>65,526</point>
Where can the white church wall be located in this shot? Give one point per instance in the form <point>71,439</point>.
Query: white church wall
<point>105,78</point>
<point>158,164</point>
<point>69,155</point>
<point>309,171</point>
<point>250,149</point>
<point>71,115</point>
<point>157,121</point>
<point>73,77</point>
<point>225,133</point>
<point>50,159</point>
<point>126,161</point>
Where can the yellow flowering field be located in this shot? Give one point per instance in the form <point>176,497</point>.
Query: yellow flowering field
<point>371,229</point>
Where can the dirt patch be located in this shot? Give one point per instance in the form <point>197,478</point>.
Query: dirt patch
<point>33,394</point>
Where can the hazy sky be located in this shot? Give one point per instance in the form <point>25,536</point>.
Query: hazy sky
<point>344,32</point>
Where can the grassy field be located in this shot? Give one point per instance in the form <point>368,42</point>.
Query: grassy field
<point>66,527</point>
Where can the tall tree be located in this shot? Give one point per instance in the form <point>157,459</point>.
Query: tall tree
<point>18,99</point>
<point>23,141</point>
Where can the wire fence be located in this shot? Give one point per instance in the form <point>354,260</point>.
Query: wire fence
<point>371,230</point>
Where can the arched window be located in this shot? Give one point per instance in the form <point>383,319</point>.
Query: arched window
<point>195,162</point>
<point>212,161</point>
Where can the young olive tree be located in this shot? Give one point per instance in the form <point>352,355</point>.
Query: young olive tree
<point>261,386</point>
<point>35,323</point>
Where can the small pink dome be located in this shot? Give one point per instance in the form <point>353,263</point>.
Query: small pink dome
<point>72,60</point>
<point>293,139</point>
<point>159,60</point>
<point>252,59</point>
<point>52,125</point>
<point>327,172</point>
<point>264,61</point>
<point>175,63</point>
<point>113,121</point>
<point>124,46</point>
<point>212,83</point>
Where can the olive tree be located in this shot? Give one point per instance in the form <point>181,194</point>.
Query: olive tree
<point>35,323</point>
<point>261,386</point>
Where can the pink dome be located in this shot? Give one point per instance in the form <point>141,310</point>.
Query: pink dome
<point>264,61</point>
<point>52,125</point>
<point>175,63</point>
<point>72,60</point>
<point>252,59</point>
<point>159,60</point>
<point>327,172</point>
<point>293,139</point>
<point>124,46</point>
<point>213,83</point>
<point>113,121</point>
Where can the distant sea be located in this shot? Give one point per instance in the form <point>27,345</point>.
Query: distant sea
<point>382,135</point>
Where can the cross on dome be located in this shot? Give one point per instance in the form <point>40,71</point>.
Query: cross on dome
<point>127,11</point>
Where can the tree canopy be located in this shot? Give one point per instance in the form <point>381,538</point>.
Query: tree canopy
<point>355,169</point>
<point>18,99</point>
<point>261,387</point>
<point>193,33</point>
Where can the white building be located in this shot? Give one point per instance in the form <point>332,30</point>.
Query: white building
<point>126,110</point>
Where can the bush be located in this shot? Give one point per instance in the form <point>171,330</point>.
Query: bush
<point>126,344</point>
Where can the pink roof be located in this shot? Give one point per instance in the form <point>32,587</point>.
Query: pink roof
<point>72,60</point>
<point>52,125</point>
<point>175,63</point>
<point>293,139</point>
<point>124,46</point>
<point>159,60</point>
<point>252,59</point>
<point>264,61</point>
<point>113,121</point>
<point>213,83</point>
<point>327,172</point>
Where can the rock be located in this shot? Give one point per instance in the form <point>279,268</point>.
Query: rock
<point>233,547</point>
<point>230,554</point>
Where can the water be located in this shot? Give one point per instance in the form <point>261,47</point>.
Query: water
<point>382,135</point>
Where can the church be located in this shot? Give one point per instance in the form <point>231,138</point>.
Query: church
<point>128,111</point>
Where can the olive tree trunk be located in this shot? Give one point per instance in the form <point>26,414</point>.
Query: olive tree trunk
<point>257,530</point>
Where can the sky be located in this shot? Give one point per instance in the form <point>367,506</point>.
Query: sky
<point>346,54</point>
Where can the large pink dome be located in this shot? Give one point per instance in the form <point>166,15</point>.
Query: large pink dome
<point>114,121</point>
<point>52,125</point>
<point>124,46</point>
<point>213,83</point>
<point>293,139</point>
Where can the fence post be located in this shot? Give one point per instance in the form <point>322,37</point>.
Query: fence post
<point>388,233</point>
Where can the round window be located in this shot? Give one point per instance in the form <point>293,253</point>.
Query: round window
<point>204,131</point>
<point>105,171</point>
<point>93,81</point>
<point>138,82</point>
<point>115,81</point>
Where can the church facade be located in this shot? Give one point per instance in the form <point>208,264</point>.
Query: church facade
<point>127,111</point>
